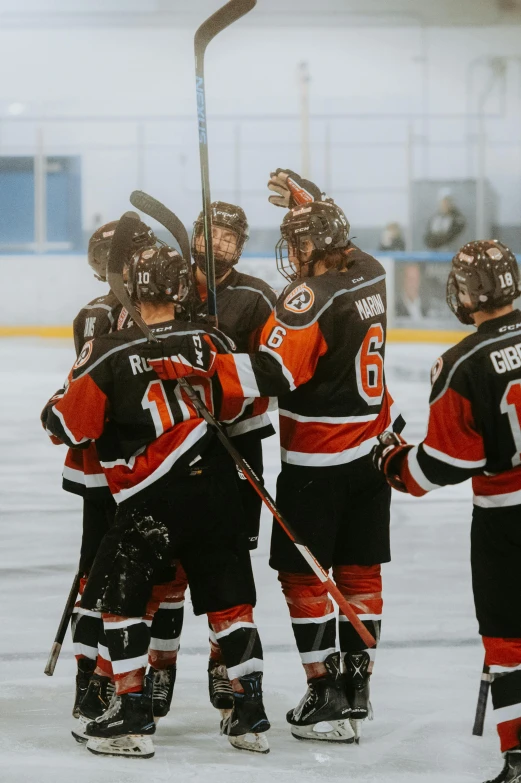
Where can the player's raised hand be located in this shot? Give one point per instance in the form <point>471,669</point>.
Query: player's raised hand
<point>387,456</point>
<point>197,357</point>
<point>291,190</point>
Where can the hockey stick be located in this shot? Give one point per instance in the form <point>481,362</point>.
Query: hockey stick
<point>215,24</point>
<point>119,250</point>
<point>481,707</point>
<point>62,628</point>
<point>155,209</point>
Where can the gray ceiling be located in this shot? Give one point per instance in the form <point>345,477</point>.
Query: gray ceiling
<point>328,13</point>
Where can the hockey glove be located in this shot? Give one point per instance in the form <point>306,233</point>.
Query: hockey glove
<point>388,457</point>
<point>197,357</point>
<point>291,189</point>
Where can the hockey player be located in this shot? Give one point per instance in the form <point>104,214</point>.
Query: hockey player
<point>322,353</point>
<point>177,498</point>
<point>82,473</point>
<point>474,431</point>
<point>244,304</point>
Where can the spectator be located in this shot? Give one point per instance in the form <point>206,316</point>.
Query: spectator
<point>446,225</point>
<point>392,238</point>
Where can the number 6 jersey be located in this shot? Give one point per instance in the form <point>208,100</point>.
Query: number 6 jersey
<point>322,354</point>
<point>475,418</point>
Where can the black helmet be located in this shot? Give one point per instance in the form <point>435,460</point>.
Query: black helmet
<point>321,222</point>
<point>484,276</point>
<point>99,245</point>
<point>225,216</point>
<point>160,274</point>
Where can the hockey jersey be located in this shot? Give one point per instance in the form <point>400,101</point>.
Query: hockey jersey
<point>244,304</point>
<point>82,472</point>
<point>101,316</point>
<point>144,429</point>
<point>474,428</point>
<point>322,354</point>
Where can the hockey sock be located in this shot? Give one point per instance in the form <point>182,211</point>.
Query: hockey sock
<point>128,640</point>
<point>216,654</point>
<point>312,618</point>
<point>103,663</point>
<point>237,635</point>
<point>503,656</point>
<point>86,626</point>
<point>362,587</point>
<point>167,609</point>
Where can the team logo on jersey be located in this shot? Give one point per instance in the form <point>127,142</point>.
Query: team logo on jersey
<point>436,369</point>
<point>84,356</point>
<point>300,300</point>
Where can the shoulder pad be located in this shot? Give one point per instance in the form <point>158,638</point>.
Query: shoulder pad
<point>448,366</point>
<point>301,302</point>
<point>259,286</point>
<point>95,350</point>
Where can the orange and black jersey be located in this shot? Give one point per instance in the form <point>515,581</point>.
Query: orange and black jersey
<point>322,354</point>
<point>144,428</point>
<point>475,418</point>
<point>101,316</point>
<point>82,473</point>
<point>244,304</point>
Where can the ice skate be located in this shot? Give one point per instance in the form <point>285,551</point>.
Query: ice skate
<point>125,729</point>
<point>163,681</point>
<point>357,689</point>
<point>94,703</point>
<point>219,687</point>
<point>85,671</point>
<point>323,713</point>
<point>511,772</point>
<point>246,723</point>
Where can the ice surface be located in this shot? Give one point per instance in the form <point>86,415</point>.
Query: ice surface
<point>428,666</point>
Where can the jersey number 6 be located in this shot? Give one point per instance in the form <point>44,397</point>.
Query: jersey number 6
<point>370,366</point>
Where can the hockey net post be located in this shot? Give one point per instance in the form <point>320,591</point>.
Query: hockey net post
<point>120,248</point>
<point>62,628</point>
<point>214,25</point>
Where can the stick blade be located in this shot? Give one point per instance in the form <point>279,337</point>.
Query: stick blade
<point>155,209</point>
<point>120,254</point>
<point>219,21</point>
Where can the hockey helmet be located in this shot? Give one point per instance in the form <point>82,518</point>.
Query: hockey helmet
<point>321,224</point>
<point>160,274</point>
<point>228,216</point>
<point>484,276</point>
<point>99,245</point>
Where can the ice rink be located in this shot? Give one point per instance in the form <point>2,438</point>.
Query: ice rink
<point>426,679</point>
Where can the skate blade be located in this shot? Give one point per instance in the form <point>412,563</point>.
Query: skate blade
<point>133,746</point>
<point>256,743</point>
<point>357,723</point>
<point>326,731</point>
<point>79,733</point>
